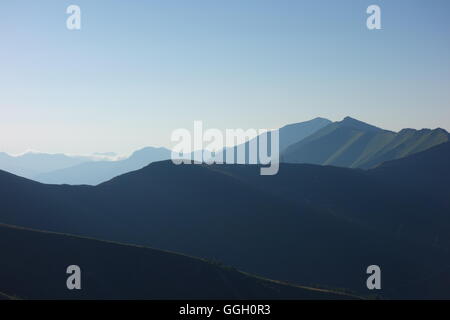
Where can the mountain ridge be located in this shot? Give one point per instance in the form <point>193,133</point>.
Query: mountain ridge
<point>288,226</point>
<point>93,173</point>
<point>288,135</point>
<point>355,144</point>
<point>157,274</point>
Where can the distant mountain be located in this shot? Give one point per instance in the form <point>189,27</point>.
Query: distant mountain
<point>310,225</point>
<point>288,135</point>
<point>106,154</point>
<point>295,132</point>
<point>93,173</point>
<point>31,164</point>
<point>121,271</point>
<point>355,144</point>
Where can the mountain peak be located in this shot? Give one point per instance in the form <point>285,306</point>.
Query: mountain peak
<point>145,150</point>
<point>349,121</point>
<point>320,119</point>
<point>317,120</point>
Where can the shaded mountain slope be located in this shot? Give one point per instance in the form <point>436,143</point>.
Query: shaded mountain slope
<point>355,144</point>
<point>426,172</point>
<point>4,296</point>
<point>309,224</point>
<point>430,168</point>
<point>408,197</point>
<point>34,266</point>
<point>93,173</point>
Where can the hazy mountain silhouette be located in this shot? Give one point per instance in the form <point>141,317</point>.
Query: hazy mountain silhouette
<point>120,271</point>
<point>93,173</point>
<point>295,132</point>
<point>106,154</point>
<point>288,135</point>
<point>31,164</point>
<point>355,144</point>
<point>309,224</point>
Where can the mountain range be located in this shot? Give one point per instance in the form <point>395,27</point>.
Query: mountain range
<point>72,169</point>
<point>95,172</point>
<point>354,144</point>
<point>288,135</point>
<point>31,164</point>
<point>348,143</point>
<point>347,195</point>
<point>310,225</point>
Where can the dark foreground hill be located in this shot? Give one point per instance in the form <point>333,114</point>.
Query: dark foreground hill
<point>33,266</point>
<point>311,225</point>
<point>428,170</point>
<point>408,197</point>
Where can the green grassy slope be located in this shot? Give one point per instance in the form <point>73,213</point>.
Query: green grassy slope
<point>354,144</point>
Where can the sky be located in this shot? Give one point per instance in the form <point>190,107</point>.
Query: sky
<point>137,70</point>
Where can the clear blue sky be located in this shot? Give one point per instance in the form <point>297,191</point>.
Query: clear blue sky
<point>139,69</point>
